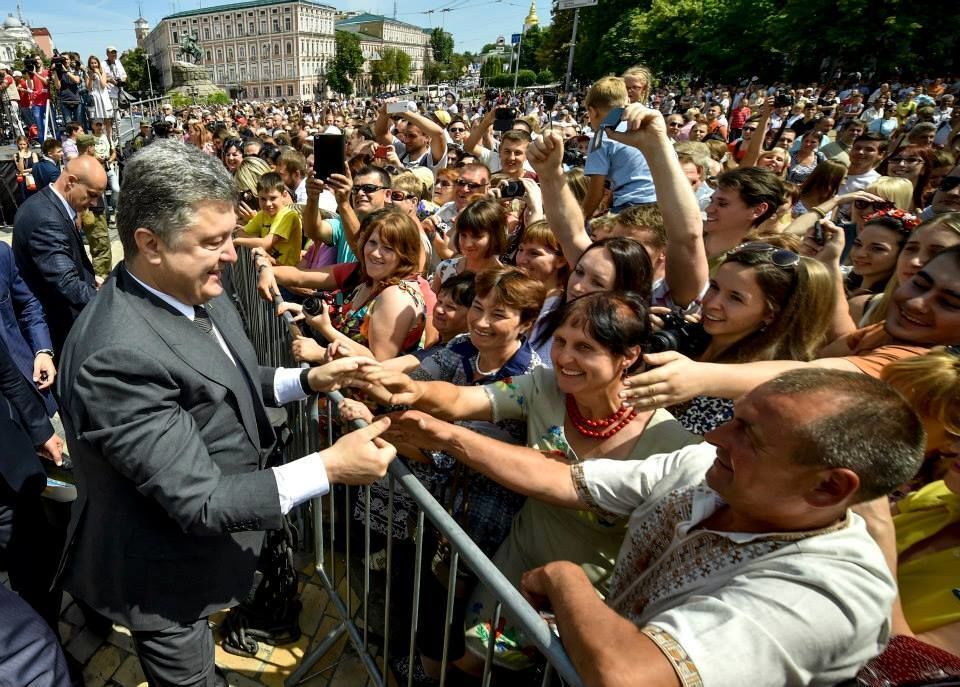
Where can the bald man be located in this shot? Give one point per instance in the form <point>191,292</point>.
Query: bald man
<point>48,247</point>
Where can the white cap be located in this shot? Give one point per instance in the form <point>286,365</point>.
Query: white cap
<point>17,73</point>
<point>110,48</point>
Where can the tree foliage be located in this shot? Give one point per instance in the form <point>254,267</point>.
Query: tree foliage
<point>347,63</point>
<point>393,68</point>
<point>737,39</point>
<point>135,64</point>
<point>442,44</point>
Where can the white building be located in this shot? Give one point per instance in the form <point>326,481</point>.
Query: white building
<point>262,49</point>
<point>14,33</point>
<point>377,33</point>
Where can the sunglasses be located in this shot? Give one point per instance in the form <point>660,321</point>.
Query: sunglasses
<point>368,189</point>
<point>910,161</point>
<point>456,129</point>
<point>675,124</point>
<point>469,185</point>
<point>949,183</point>
<point>780,257</point>
<point>400,196</point>
<point>869,204</point>
<point>750,128</point>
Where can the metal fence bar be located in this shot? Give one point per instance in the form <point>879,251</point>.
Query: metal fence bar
<point>270,338</point>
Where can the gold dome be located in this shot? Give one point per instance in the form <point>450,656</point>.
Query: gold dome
<point>531,19</point>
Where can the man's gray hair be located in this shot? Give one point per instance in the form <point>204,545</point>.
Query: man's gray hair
<point>868,428</point>
<point>164,184</point>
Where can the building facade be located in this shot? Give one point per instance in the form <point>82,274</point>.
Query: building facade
<point>377,33</point>
<point>14,32</point>
<point>263,49</point>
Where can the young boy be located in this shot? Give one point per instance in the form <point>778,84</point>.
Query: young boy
<point>624,166</point>
<point>277,227</point>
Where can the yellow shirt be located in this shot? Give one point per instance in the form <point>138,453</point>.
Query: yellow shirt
<point>285,224</point>
<point>926,581</point>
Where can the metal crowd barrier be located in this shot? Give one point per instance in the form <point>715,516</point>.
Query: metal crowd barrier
<point>270,338</point>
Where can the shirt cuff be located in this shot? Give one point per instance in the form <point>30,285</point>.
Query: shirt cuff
<point>301,481</point>
<point>286,385</point>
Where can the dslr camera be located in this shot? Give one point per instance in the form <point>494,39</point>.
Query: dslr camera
<point>687,338</point>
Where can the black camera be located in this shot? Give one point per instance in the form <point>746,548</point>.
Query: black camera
<point>250,199</point>
<point>574,158</point>
<point>549,99</point>
<point>29,65</point>
<point>783,99</point>
<point>513,189</point>
<point>678,335</point>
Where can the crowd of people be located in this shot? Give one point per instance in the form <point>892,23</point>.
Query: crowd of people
<point>682,362</point>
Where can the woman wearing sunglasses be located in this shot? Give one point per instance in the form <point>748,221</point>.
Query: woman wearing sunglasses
<point>913,163</point>
<point>763,303</point>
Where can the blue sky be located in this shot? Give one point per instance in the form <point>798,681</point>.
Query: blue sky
<point>89,26</point>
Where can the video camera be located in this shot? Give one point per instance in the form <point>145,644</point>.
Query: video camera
<point>783,99</point>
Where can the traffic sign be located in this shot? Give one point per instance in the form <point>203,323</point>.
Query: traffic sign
<point>574,4</point>
<point>514,38</point>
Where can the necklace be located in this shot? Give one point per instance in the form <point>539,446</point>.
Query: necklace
<point>483,373</point>
<point>602,428</point>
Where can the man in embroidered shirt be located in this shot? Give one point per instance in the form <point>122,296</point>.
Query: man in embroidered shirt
<point>743,563</point>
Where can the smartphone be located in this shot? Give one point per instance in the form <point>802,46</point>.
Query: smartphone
<point>818,236</point>
<point>513,189</point>
<point>549,99</point>
<point>401,106</point>
<point>503,118</point>
<point>250,199</point>
<point>613,118</point>
<point>329,155</point>
<point>380,152</point>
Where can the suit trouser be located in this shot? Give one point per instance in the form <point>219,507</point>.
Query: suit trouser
<point>29,652</point>
<point>98,237</point>
<point>179,656</point>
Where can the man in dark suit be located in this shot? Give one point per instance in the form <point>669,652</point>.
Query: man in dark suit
<point>24,330</point>
<point>163,404</point>
<point>48,248</point>
<point>26,543</point>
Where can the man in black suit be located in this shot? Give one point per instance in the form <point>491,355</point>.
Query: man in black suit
<point>49,250</point>
<point>26,541</point>
<point>163,404</point>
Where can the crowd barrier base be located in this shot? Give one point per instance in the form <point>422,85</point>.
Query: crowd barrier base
<point>271,338</point>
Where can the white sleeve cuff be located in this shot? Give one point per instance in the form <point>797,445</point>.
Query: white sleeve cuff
<point>286,385</point>
<point>301,481</point>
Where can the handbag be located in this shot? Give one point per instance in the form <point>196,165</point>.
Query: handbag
<point>29,182</point>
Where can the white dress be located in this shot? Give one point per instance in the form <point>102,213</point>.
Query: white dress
<point>100,107</point>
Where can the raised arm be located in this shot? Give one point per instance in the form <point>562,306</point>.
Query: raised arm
<point>381,127</point>
<point>433,131</point>
<point>687,268</point>
<point>562,210</point>
<point>755,146</point>
<point>439,399</point>
<point>477,132</point>
<point>314,227</point>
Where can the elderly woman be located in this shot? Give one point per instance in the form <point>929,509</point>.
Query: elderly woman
<point>573,412</point>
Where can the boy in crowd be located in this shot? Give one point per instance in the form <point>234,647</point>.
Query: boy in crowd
<point>276,227</point>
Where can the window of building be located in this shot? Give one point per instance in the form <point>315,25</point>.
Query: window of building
<point>252,27</point>
<point>289,48</point>
<point>266,91</point>
<point>290,91</point>
<point>219,55</point>
<point>229,30</point>
<point>287,23</point>
<point>256,91</point>
<point>276,50</point>
<point>216,32</point>
<point>231,72</point>
<point>243,72</point>
<point>263,26</point>
<point>220,74</point>
<point>176,40</point>
<point>276,26</point>
<point>266,71</point>
<point>253,51</point>
<point>206,34</point>
<point>242,52</point>
<point>229,54</point>
<point>208,55</point>
<point>291,70</point>
<point>239,28</point>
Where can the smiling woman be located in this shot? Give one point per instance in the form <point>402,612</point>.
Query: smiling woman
<point>573,413</point>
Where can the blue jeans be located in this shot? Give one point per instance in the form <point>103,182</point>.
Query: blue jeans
<point>72,113</point>
<point>39,116</point>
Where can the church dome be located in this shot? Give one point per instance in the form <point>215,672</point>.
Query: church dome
<point>11,22</point>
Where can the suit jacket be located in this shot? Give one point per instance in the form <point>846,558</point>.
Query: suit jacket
<point>167,439</point>
<point>23,426</point>
<point>22,325</point>
<point>51,259</point>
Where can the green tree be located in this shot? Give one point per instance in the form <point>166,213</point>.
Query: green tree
<point>135,63</point>
<point>442,44</point>
<point>491,68</point>
<point>545,77</point>
<point>432,72</point>
<point>529,51</point>
<point>347,63</point>
<point>526,77</point>
<point>402,68</point>
<point>218,98</point>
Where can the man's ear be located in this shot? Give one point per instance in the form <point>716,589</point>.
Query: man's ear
<point>148,245</point>
<point>835,486</point>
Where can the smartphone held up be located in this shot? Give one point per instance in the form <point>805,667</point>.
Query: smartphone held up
<point>329,155</point>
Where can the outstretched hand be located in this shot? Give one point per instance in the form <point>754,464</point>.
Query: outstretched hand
<point>361,456</point>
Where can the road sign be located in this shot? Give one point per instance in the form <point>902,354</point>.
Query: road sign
<point>514,38</point>
<point>574,4</point>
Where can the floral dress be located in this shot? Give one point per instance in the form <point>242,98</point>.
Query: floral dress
<point>354,323</point>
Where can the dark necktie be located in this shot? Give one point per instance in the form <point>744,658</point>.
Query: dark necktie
<point>201,318</point>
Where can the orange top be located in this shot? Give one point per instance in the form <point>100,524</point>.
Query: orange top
<point>872,349</point>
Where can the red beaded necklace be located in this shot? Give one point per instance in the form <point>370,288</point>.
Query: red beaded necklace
<point>603,428</point>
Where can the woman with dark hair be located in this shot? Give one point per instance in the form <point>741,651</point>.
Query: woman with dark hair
<point>385,315</point>
<point>875,251</point>
<point>480,238</point>
<point>913,163</point>
<point>573,412</point>
<point>232,154</point>
<point>822,185</point>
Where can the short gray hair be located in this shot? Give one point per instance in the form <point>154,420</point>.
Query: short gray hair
<point>164,184</point>
<point>869,428</point>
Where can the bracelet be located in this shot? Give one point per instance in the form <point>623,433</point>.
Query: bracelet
<point>305,381</point>
<point>44,350</point>
<point>818,211</point>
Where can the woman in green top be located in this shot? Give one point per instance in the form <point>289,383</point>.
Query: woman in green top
<point>573,412</point>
